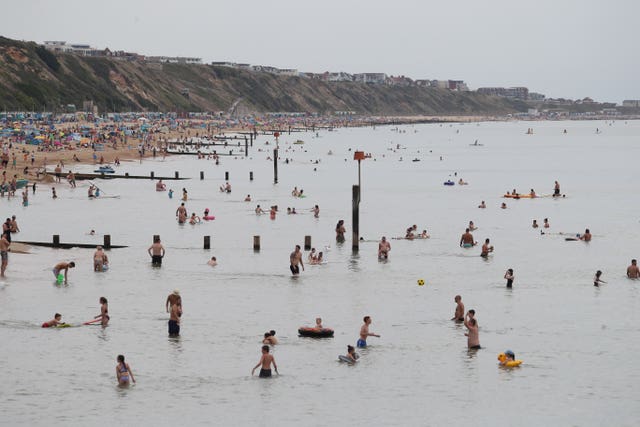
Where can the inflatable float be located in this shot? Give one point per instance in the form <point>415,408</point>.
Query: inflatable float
<point>520,196</point>
<point>508,363</point>
<point>315,332</point>
<point>449,183</point>
<point>346,359</point>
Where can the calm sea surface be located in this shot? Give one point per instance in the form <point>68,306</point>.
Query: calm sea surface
<point>578,342</point>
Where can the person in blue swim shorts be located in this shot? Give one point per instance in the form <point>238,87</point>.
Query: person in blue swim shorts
<point>364,333</point>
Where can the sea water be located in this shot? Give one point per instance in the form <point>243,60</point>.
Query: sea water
<point>578,342</point>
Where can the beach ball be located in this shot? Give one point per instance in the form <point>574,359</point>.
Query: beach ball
<point>420,282</point>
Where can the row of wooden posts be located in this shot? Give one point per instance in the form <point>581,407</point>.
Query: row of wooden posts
<point>206,242</point>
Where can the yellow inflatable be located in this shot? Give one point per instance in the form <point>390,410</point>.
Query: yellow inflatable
<point>508,363</point>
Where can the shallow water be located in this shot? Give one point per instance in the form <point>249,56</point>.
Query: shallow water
<point>575,339</point>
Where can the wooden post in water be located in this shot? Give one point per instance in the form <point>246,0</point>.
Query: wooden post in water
<point>256,243</point>
<point>106,241</point>
<point>246,147</point>
<point>226,176</point>
<point>152,174</point>
<point>251,138</point>
<point>275,165</point>
<point>355,218</point>
<point>177,175</point>
<point>56,240</point>
<point>201,175</point>
<point>251,176</point>
<point>207,242</point>
<point>126,174</point>
<point>307,243</point>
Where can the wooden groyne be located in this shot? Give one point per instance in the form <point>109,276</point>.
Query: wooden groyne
<point>85,176</point>
<point>56,243</point>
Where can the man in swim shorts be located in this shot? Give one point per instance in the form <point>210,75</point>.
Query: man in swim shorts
<point>364,332</point>
<point>473,339</point>
<point>156,252</point>
<point>458,316</point>
<point>383,248</point>
<point>174,298</point>
<point>63,266</point>
<point>486,248</point>
<point>296,258</point>
<point>466,240</point>
<point>265,363</point>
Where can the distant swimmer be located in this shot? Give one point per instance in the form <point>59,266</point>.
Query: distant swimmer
<point>364,332</point>
<point>535,224</point>
<point>473,339</point>
<point>340,230</point>
<point>174,320</point>
<point>351,354</point>
<point>296,259</point>
<point>482,205</point>
<point>160,186</point>
<point>57,320</point>
<point>312,255</point>
<point>423,235</point>
<point>472,226</point>
<point>259,210</point>
<point>181,213</point>
<point>170,193</point>
<point>123,372</point>
<point>503,206</point>
<point>63,266</point>
<point>194,219</point>
<point>248,198</point>
<point>466,240</point>
<point>597,280</point>
<point>270,338</point>
<point>383,248</point>
<point>556,189</point>
<point>462,182</point>
<point>316,211</point>
<point>545,223</point>
<point>265,363</point>
<point>273,211</point>
<point>532,193</point>
<point>318,323</point>
<point>458,316</point>
<point>213,261</point>
<point>156,252</point>
<point>586,236</point>
<point>184,195</point>
<point>486,249</point>
<point>633,272</point>
<point>509,276</point>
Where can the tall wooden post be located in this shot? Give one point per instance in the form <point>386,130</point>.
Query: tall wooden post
<point>307,243</point>
<point>177,175</point>
<point>226,176</point>
<point>56,240</point>
<point>251,176</point>
<point>207,242</point>
<point>355,218</point>
<point>256,243</point>
<point>246,147</point>
<point>275,165</point>
<point>201,175</point>
<point>106,241</point>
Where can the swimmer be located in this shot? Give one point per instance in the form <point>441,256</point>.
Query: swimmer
<point>633,272</point>
<point>272,212</point>
<point>545,223</point>
<point>509,276</point>
<point>123,372</point>
<point>486,249</point>
<point>597,280</point>
<point>586,236</point>
<point>351,354</point>
<point>184,195</point>
<point>195,219</point>
<point>259,210</point>
<point>503,206</point>
<point>316,211</point>
<point>265,363</point>
<point>472,226</point>
<point>181,213</point>
<point>57,320</point>
<point>340,230</point>
<point>458,316</point>
<point>296,258</point>
<point>318,323</point>
<point>423,235</point>
<point>248,198</point>
<point>295,192</point>
<point>156,252</point>
<point>509,357</point>
<point>212,262</point>
<point>383,248</point>
<point>364,332</point>
<point>482,205</point>
<point>270,338</point>
<point>170,193</point>
<point>532,193</point>
<point>556,189</point>
<point>466,240</point>
<point>312,255</point>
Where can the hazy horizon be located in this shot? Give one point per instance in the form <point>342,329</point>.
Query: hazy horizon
<point>566,49</point>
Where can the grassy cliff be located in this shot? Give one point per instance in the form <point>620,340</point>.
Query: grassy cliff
<point>32,78</point>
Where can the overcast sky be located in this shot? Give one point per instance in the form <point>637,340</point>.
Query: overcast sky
<point>562,48</point>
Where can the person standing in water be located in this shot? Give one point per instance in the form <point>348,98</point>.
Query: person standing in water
<point>63,266</point>
<point>466,240</point>
<point>633,272</point>
<point>123,372</point>
<point>296,258</point>
<point>597,280</point>
<point>265,363</point>
<point>473,339</point>
<point>174,320</point>
<point>556,189</point>
<point>156,252</point>
<point>364,332</point>
<point>509,276</point>
<point>340,230</point>
<point>458,316</point>
<point>104,312</point>
<point>4,252</point>
<point>383,248</point>
<point>486,249</point>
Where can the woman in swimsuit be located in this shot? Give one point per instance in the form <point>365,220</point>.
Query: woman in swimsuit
<point>104,312</point>
<point>123,372</point>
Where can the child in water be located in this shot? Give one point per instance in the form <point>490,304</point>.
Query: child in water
<point>53,322</point>
<point>351,354</point>
<point>123,372</point>
<point>597,280</point>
